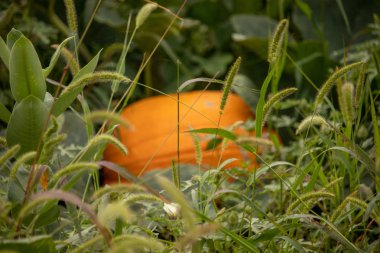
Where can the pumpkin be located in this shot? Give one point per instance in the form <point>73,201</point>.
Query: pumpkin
<point>152,138</point>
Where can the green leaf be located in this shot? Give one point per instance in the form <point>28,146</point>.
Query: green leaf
<point>4,52</point>
<point>12,37</point>
<point>43,243</point>
<point>89,68</point>
<point>26,124</point>
<point>305,8</point>
<point>217,131</point>
<point>5,114</point>
<point>48,214</point>
<point>64,101</point>
<point>253,31</point>
<point>25,71</point>
<point>213,143</point>
<point>46,71</point>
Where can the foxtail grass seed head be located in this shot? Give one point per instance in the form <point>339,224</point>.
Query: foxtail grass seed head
<point>347,99</point>
<point>101,76</point>
<point>3,141</point>
<point>276,45</point>
<point>21,160</point>
<point>75,167</point>
<point>353,201</point>
<point>135,243</point>
<point>360,85</point>
<point>49,146</point>
<point>70,59</point>
<point>107,115</point>
<point>333,183</point>
<point>338,211</point>
<point>274,99</point>
<point>9,153</point>
<point>228,84</point>
<point>112,211</point>
<point>198,149</point>
<point>307,197</point>
<point>118,188</point>
<point>144,197</point>
<point>362,132</point>
<point>326,87</point>
<point>144,13</point>
<point>71,16</point>
<point>310,121</point>
<point>106,138</point>
<point>52,129</point>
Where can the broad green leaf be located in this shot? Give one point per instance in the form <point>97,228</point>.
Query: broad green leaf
<point>46,71</point>
<point>5,114</point>
<point>26,124</point>
<point>4,52</point>
<point>43,243</point>
<point>64,101</point>
<point>25,71</point>
<point>12,37</point>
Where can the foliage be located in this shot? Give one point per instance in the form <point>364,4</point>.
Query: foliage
<point>316,190</point>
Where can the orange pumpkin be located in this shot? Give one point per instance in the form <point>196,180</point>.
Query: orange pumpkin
<point>152,139</point>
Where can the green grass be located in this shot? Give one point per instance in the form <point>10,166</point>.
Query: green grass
<point>316,189</point>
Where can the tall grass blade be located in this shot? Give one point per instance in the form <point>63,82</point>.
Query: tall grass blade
<point>376,135</point>
<point>46,71</point>
<point>260,105</point>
